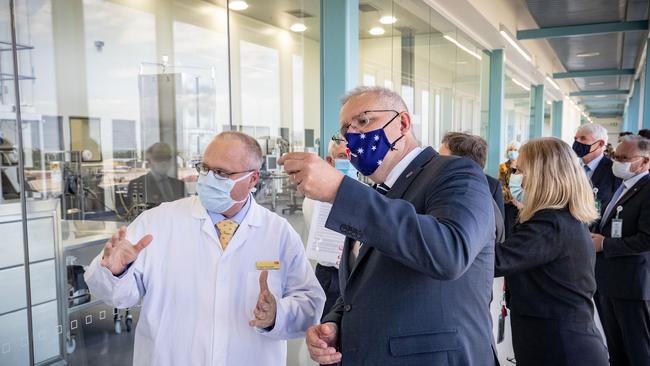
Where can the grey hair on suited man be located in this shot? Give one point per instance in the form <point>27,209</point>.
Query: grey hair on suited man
<point>388,98</point>
<point>641,143</point>
<point>597,131</point>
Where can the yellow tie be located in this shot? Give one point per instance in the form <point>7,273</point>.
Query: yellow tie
<point>227,229</point>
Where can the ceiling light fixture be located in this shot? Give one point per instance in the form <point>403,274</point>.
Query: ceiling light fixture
<point>298,27</point>
<point>513,43</point>
<point>377,31</point>
<point>600,96</point>
<point>588,54</point>
<point>552,82</point>
<point>522,85</point>
<point>598,83</point>
<point>459,45</point>
<point>237,5</point>
<point>549,102</point>
<point>387,19</point>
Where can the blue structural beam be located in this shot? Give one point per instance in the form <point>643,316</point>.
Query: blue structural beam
<point>339,54</point>
<point>591,93</point>
<point>602,101</point>
<point>556,118</point>
<point>582,30</point>
<point>495,114</point>
<point>633,107</point>
<point>645,122</point>
<point>537,111</point>
<point>604,110</point>
<point>592,73</point>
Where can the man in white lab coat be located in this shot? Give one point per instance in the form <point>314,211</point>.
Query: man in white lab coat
<point>198,264</point>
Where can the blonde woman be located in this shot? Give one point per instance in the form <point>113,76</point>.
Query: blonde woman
<point>548,261</point>
<point>506,170</point>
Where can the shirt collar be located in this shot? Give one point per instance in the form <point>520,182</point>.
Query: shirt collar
<point>594,163</point>
<point>629,183</point>
<point>401,166</point>
<point>238,218</point>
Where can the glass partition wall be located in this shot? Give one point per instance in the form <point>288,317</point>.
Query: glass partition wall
<point>106,105</point>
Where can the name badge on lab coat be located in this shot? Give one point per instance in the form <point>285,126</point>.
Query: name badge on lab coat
<point>267,265</point>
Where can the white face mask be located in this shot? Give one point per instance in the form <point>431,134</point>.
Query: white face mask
<point>622,170</point>
<point>214,192</point>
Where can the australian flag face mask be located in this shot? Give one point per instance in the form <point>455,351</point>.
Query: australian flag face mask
<point>368,149</point>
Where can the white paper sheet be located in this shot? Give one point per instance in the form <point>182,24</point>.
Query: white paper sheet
<point>324,245</point>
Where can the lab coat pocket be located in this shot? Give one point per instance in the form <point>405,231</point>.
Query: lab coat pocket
<point>253,289</point>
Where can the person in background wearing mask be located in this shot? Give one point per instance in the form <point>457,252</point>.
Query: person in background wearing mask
<point>644,133</point>
<point>156,186</point>
<point>506,170</point>
<point>416,270</point>
<point>223,281</point>
<point>590,143</point>
<point>622,240</point>
<point>548,262</point>
<point>328,273</point>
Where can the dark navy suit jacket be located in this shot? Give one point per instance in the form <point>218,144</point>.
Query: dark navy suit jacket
<point>623,267</point>
<point>606,182</point>
<point>420,289</point>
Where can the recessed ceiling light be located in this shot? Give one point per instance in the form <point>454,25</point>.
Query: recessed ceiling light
<point>588,54</point>
<point>461,46</point>
<point>552,82</point>
<point>516,45</point>
<point>600,96</point>
<point>377,31</point>
<point>298,27</point>
<point>237,5</point>
<point>549,102</point>
<point>520,84</point>
<point>387,19</point>
<point>598,83</point>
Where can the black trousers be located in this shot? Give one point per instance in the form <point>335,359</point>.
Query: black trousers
<point>328,277</point>
<point>546,342</point>
<point>627,329</point>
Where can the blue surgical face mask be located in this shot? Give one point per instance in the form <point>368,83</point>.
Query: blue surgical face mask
<point>368,149</point>
<point>513,154</point>
<point>516,188</point>
<point>214,192</point>
<point>345,167</point>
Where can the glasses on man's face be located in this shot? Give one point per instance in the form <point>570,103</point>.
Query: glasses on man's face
<point>363,120</point>
<point>626,159</point>
<point>204,169</point>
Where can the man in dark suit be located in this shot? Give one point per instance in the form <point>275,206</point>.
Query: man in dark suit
<point>623,262</point>
<point>590,143</point>
<point>474,148</point>
<point>417,266</point>
<point>156,186</point>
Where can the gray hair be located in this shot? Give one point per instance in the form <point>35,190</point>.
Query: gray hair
<point>597,131</point>
<point>641,143</point>
<point>252,147</point>
<point>388,98</point>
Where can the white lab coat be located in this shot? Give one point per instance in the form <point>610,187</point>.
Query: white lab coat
<point>197,299</point>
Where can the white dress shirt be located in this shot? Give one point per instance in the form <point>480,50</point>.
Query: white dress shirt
<point>197,299</point>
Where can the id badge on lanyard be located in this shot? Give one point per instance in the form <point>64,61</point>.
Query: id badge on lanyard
<point>617,224</point>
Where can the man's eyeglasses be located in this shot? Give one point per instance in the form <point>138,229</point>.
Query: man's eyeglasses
<point>203,169</point>
<point>362,120</point>
<point>625,159</point>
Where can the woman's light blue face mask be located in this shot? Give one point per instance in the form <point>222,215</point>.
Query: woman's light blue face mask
<point>214,192</point>
<point>516,188</point>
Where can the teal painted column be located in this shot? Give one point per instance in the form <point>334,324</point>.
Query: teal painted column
<point>496,127</point>
<point>633,108</point>
<point>339,56</point>
<point>645,121</point>
<point>536,111</point>
<point>556,118</point>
